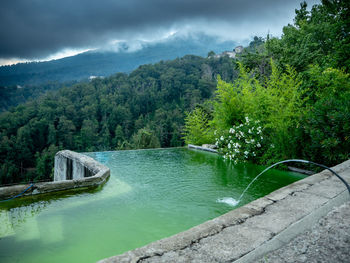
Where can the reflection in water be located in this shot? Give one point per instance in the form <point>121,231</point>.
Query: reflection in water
<point>13,218</point>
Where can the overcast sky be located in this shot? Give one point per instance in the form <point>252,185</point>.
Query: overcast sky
<point>42,29</point>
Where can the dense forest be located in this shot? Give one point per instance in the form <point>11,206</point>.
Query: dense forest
<point>291,98</point>
<point>11,96</point>
<point>143,109</point>
<point>286,97</point>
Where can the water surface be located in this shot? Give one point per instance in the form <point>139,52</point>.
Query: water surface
<point>151,194</point>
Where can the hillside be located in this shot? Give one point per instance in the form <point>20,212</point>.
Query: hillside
<point>144,109</point>
<point>105,63</point>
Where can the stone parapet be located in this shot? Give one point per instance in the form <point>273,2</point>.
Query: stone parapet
<point>85,172</point>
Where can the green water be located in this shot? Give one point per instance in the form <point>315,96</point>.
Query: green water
<point>151,194</point>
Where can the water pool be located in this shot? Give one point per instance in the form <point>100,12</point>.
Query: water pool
<point>151,194</point>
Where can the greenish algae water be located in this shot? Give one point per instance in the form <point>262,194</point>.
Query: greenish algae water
<point>151,194</point>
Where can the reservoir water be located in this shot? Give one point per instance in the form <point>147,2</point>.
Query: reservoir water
<point>151,194</point>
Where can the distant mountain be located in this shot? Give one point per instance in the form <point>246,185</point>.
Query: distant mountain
<point>107,62</point>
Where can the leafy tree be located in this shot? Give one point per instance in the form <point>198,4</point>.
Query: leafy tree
<point>211,53</point>
<point>144,139</point>
<point>327,122</point>
<point>196,130</point>
<point>319,36</point>
<point>45,162</point>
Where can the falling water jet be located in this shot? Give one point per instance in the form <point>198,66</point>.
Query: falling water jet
<point>225,200</point>
<point>228,200</point>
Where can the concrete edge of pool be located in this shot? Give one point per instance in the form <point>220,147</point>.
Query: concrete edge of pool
<point>85,172</point>
<point>249,232</point>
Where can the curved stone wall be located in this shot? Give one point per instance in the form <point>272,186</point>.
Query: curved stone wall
<point>72,171</point>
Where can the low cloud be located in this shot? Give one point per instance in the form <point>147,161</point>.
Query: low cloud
<point>37,29</point>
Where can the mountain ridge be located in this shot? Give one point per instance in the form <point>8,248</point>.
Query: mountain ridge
<point>107,62</point>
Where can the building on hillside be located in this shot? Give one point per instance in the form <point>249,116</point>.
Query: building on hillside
<point>238,49</point>
<point>230,54</point>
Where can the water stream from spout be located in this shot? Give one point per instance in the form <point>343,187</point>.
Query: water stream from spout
<point>233,202</point>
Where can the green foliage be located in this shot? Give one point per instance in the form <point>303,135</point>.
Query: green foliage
<point>327,122</point>
<point>211,54</point>
<point>45,162</point>
<point>327,128</point>
<point>196,128</point>
<point>145,139</point>
<point>140,110</point>
<point>277,103</point>
<point>11,96</point>
<point>256,58</point>
<point>242,142</point>
<point>319,36</point>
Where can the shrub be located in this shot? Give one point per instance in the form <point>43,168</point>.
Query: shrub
<point>242,142</point>
<point>277,103</point>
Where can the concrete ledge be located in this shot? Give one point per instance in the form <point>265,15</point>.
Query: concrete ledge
<point>247,233</point>
<point>100,174</point>
<point>202,148</point>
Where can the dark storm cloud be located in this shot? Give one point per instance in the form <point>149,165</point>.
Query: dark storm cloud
<point>37,28</point>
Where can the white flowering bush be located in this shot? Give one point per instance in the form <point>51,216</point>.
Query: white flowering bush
<point>242,142</point>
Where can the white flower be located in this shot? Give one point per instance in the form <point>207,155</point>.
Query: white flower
<point>222,138</point>
<point>215,132</point>
<point>258,145</point>
<point>261,137</point>
<point>250,131</point>
<point>247,119</point>
<point>229,145</point>
<point>246,153</point>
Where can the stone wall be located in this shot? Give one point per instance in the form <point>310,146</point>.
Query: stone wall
<point>72,166</point>
<point>72,171</point>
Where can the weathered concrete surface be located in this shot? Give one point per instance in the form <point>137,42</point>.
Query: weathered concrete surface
<point>327,241</point>
<point>250,232</point>
<point>100,174</point>
<point>81,166</point>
